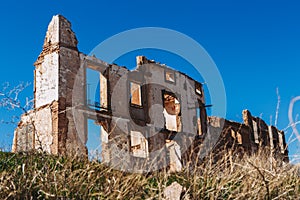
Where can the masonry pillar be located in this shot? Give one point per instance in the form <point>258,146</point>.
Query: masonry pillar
<point>54,75</point>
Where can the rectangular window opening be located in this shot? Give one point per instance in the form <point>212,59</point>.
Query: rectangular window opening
<point>96,89</point>
<point>139,144</point>
<point>198,88</point>
<point>94,141</point>
<point>237,136</point>
<point>172,112</point>
<point>199,128</point>
<point>135,94</point>
<point>170,76</point>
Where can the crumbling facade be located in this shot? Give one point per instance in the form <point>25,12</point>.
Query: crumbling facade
<point>150,117</point>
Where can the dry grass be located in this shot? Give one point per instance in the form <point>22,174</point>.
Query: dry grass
<point>36,176</point>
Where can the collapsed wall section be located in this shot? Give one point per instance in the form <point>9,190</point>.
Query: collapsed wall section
<point>152,114</point>
<point>35,130</point>
<point>54,75</point>
<point>249,137</point>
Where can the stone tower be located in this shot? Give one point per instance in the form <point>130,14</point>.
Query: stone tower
<point>146,119</point>
<point>54,74</point>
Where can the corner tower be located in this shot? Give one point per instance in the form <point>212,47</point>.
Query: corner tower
<point>58,57</point>
<point>54,75</point>
<point>47,127</point>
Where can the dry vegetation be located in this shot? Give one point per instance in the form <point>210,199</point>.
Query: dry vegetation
<point>37,176</point>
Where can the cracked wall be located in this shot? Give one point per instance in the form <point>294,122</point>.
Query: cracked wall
<point>250,136</point>
<point>152,114</point>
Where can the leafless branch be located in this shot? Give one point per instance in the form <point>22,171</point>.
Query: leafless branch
<point>10,97</point>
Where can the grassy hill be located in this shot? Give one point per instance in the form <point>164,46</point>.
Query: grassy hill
<point>40,176</point>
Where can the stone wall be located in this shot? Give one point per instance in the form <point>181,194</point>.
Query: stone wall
<point>58,124</point>
<point>250,136</point>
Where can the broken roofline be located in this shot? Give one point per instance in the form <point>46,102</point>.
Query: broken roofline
<point>61,127</point>
<point>94,61</point>
<point>73,42</point>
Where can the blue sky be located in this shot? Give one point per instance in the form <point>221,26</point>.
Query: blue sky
<point>255,44</point>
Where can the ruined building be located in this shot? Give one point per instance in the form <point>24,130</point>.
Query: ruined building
<point>152,116</point>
